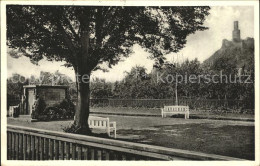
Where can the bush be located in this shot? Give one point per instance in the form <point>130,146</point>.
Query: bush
<point>39,107</point>
<point>51,112</point>
<point>71,128</point>
<point>64,110</point>
<point>67,107</point>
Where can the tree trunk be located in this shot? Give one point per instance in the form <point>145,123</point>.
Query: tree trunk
<point>82,110</point>
<point>83,72</point>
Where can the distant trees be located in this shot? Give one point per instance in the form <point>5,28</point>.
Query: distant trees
<point>100,88</point>
<point>138,84</point>
<point>16,82</point>
<point>55,78</point>
<point>15,86</point>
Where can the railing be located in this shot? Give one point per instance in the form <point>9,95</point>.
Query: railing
<point>34,144</point>
<point>159,103</point>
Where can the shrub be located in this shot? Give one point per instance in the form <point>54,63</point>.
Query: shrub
<point>68,108</point>
<point>51,112</point>
<point>39,107</point>
<point>71,128</point>
<point>63,110</point>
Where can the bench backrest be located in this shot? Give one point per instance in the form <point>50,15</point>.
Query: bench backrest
<point>95,121</point>
<point>176,108</point>
<point>11,108</point>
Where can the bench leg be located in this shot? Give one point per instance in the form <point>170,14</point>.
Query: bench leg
<point>108,130</point>
<point>115,133</point>
<point>186,115</point>
<point>162,112</point>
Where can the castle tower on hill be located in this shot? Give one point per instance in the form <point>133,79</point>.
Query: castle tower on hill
<point>230,48</point>
<point>236,39</point>
<point>236,32</point>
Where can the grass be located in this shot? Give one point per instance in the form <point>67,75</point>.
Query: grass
<point>233,141</point>
<point>196,114</point>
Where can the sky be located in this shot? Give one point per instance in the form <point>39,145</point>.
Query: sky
<point>200,45</point>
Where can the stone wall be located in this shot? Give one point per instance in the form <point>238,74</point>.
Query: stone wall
<point>52,96</point>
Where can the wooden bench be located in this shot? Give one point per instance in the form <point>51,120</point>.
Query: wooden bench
<point>170,110</point>
<point>96,122</point>
<point>102,123</point>
<point>12,109</point>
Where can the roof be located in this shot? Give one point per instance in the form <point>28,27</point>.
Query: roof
<point>45,86</point>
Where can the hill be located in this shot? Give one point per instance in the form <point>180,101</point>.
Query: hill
<point>240,53</point>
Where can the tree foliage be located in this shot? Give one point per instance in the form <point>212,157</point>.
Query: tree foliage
<point>139,84</point>
<point>58,32</point>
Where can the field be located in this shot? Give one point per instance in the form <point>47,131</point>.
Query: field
<point>223,137</point>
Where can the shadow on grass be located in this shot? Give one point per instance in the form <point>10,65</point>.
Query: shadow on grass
<point>233,141</point>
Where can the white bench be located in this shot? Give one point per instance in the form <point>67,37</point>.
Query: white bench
<point>11,110</point>
<point>102,123</point>
<point>170,110</point>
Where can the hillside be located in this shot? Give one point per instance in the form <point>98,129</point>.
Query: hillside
<point>241,53</point>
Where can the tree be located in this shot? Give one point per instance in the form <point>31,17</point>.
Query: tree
<point>100,88</point>
<point>57,78</point>
<point>15,85</point>
<point>87,36</point>
<point>135,83</point>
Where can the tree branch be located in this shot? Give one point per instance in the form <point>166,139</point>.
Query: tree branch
<point>71,28</point>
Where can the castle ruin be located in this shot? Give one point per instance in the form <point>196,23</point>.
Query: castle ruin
<point>236,39</point>
<point>236,32</point>
<point>235,43</point>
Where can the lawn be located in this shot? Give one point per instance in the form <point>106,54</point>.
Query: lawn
<point>194,114</point>
<point>223,137</point>
<point>233,141</point>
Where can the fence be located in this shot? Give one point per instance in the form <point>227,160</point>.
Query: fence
<point>159,103</point>
<point>34,144</point>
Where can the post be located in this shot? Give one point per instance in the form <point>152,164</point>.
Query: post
<point>20,156</point>
<point>16,146</point>
<point>61,144</point>
<point>41,148</point>
<point>46,149</point>
<point>33,147</point>
<point>85,154</point>
<point>8,145</point>
<point>92,154</point>
<point>51,142</point>
<point>79,152</point>
<point>67,150</point>
<point>108,127</point>
<point>24,146</point>
<point>73,151</point>
<point>29,143</point>
<point>176,93</point>
<point>56,149</point>
<point>99,154</point>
